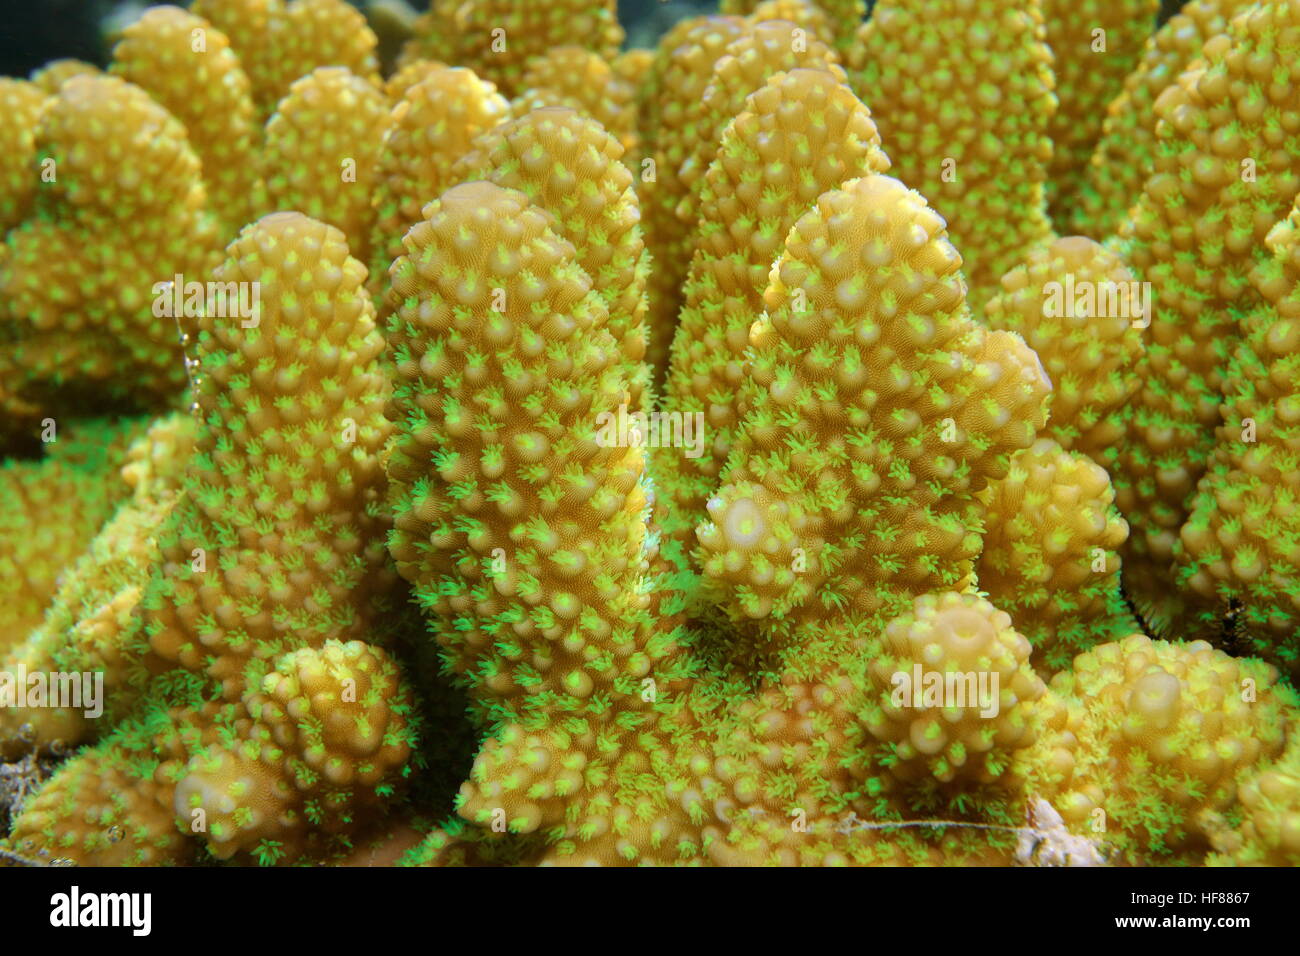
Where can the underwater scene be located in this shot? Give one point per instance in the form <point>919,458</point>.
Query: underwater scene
<point>568,432</point>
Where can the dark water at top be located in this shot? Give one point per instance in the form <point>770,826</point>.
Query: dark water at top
<point>33,32</point>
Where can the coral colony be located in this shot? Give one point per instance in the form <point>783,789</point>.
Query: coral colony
<point>812,441</point>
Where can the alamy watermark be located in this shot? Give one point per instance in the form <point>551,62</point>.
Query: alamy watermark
<point>73,909</point>
<point>1086,299</point>
<point>74,690</point>
<point>239,300</point>
<point>626,429</point>
<point>925,689</point>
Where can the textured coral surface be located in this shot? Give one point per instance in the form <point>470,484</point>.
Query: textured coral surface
<point>818,440</point>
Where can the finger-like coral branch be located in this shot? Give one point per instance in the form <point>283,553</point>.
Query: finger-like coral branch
<point>1125,154</point>
<point>962,93</point>
<point>1238,550</point>
<point>1228,169</point>
<point>439,113</point>
<point>803,133</point>
<point>1095,45</point>
<point>878,408</point>
<point>328,177</point>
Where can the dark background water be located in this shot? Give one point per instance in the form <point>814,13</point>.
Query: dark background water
<point>33,32</point>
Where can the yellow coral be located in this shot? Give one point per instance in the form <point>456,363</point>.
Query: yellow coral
<point>498,39</point>
<point>122,213</point>
<point>301,381</point>
<point>1237,552</point>
<point>1050,552</point>
<point>438,115</point>
<point>188,67</point>
<point>569,166</point>
<point>801,134</point>
<point>1269,833</point>
<point>1095,44</point>
<point>577,78</point>
<point>327,728</point>
<point>416,71</point>
<point>955,692</point>
<point>21,103</point>
<point>328,177</point>
<point>845,428</point>
<point>290,402</point>
<point>53,74</point>
<point>563,581</point>
<point>1156,736</point>
<point>678,77</point>
<point>277,42</point>
<point>834,21</point>
<point>91,613</point>
<point>962,93</point>
<point>875,494</point>
<point>761,51</point>
<point>123,820</point>
<point>1124,155</point>
<point>1079,308</point>
<point>52,508</point>
<point>632,66</point>
<point>803,13</point>
<point>1228,169</point>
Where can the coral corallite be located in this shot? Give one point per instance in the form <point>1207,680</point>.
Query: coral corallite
<point>539,582</point>
<point>291,409</point>
<point>831,437</point>
<point>952,636</point>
